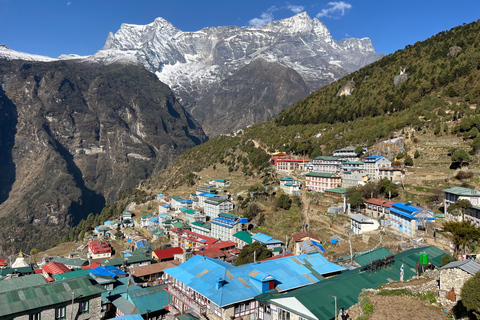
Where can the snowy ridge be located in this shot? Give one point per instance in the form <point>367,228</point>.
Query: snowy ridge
<point>9,54</point>
<point>192,63</point>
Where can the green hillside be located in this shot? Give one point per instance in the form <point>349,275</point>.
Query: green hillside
<point>440,96</point>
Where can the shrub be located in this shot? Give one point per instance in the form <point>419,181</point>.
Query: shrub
<point>461,175</point>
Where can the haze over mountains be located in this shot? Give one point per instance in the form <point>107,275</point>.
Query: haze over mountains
<point>200,65</point>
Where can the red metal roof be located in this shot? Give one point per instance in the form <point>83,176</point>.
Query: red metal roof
<point>192,236</point>
<point>279,256</point>
<point>380,202</point>
<point>301,235</point>
<point>55,268</point>
<point>93,265</point>
<point>99,247</point>
<point>167,253</point>
<point>221,245</point>
<point>2,262</point>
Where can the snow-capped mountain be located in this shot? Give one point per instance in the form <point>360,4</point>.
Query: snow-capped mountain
<point>9,54</point>
<point>193,63</point>
<point>203,63</point>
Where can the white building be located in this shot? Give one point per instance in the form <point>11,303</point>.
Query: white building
<point>361,224</point>
<point>327,164</point>
<point>214,206</point>
<point>225,226</point>
<point>373,164</point>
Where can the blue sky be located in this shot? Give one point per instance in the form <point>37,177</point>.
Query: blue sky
<point>54,27</point>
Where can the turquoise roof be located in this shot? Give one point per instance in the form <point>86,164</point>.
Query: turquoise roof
<point>138,302</point>
<point>244,236</point>
<point>263,238</point>
<point>460,191</point>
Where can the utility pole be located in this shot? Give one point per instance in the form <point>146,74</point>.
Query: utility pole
<point>350,244</point>
<point>335,297</point>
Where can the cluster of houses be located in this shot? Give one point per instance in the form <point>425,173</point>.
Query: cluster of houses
<point>196,277</point>
<point>187,282</point>
<point>344,169</point>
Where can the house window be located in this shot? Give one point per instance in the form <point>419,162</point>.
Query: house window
<point>34,316</point>
<point>60,313</point>
<point>83,307</point>
<point>283,315</point>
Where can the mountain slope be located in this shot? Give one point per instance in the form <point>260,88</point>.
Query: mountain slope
<point>195,64</point>
<point>74,135</point>
<point>255,93</point>
<point>442,87</point>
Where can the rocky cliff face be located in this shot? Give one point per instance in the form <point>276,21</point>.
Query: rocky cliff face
<point>72,136</point>
<point>256,93</point>
<point>196,64</point>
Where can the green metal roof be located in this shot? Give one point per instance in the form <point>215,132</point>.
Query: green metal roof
<point>244,236</point>
<point>177,198</point>
<point>376,254</point>
<point>228,215</point>
<point>327,158</point>
<point>318,298</point>
<point>215,201</point>
<point>142,251</point>
<point>21,282</point>
<point>131,259</point>
<point>146,216</point>
<point>190,211</point>
<point>138,302</point>
<point>4,272</point>
<point>46,295</point>
<point>202,225</point>
<point>178,225</point>
<point>337,190</point>
<point>71,275</point>
<point>460,191</point>
<point>70,262</point>
<point>319,174</point>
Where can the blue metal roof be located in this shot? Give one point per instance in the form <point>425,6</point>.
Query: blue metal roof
<point>143,244</point>
<point>408,211</point>
<point>263,238</point>
<point>186,201</point>
<point>244,282</point>
<point>165,205</point>
<point>108,271</point>
<point>287,179</point>
<point>154,219</point>
<point>207,194</point>
<point>224,222</point>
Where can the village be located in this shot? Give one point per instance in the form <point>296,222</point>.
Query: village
<point>188,255</point>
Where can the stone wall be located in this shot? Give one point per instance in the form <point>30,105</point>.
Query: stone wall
<point>453,278</point>
<point>94,311</point>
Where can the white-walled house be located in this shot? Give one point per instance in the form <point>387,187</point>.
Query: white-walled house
<point>360,224</point>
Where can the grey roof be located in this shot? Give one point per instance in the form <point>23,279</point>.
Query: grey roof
<point>468,266</point>
<point>71,262</point>
<point>361,218</point>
